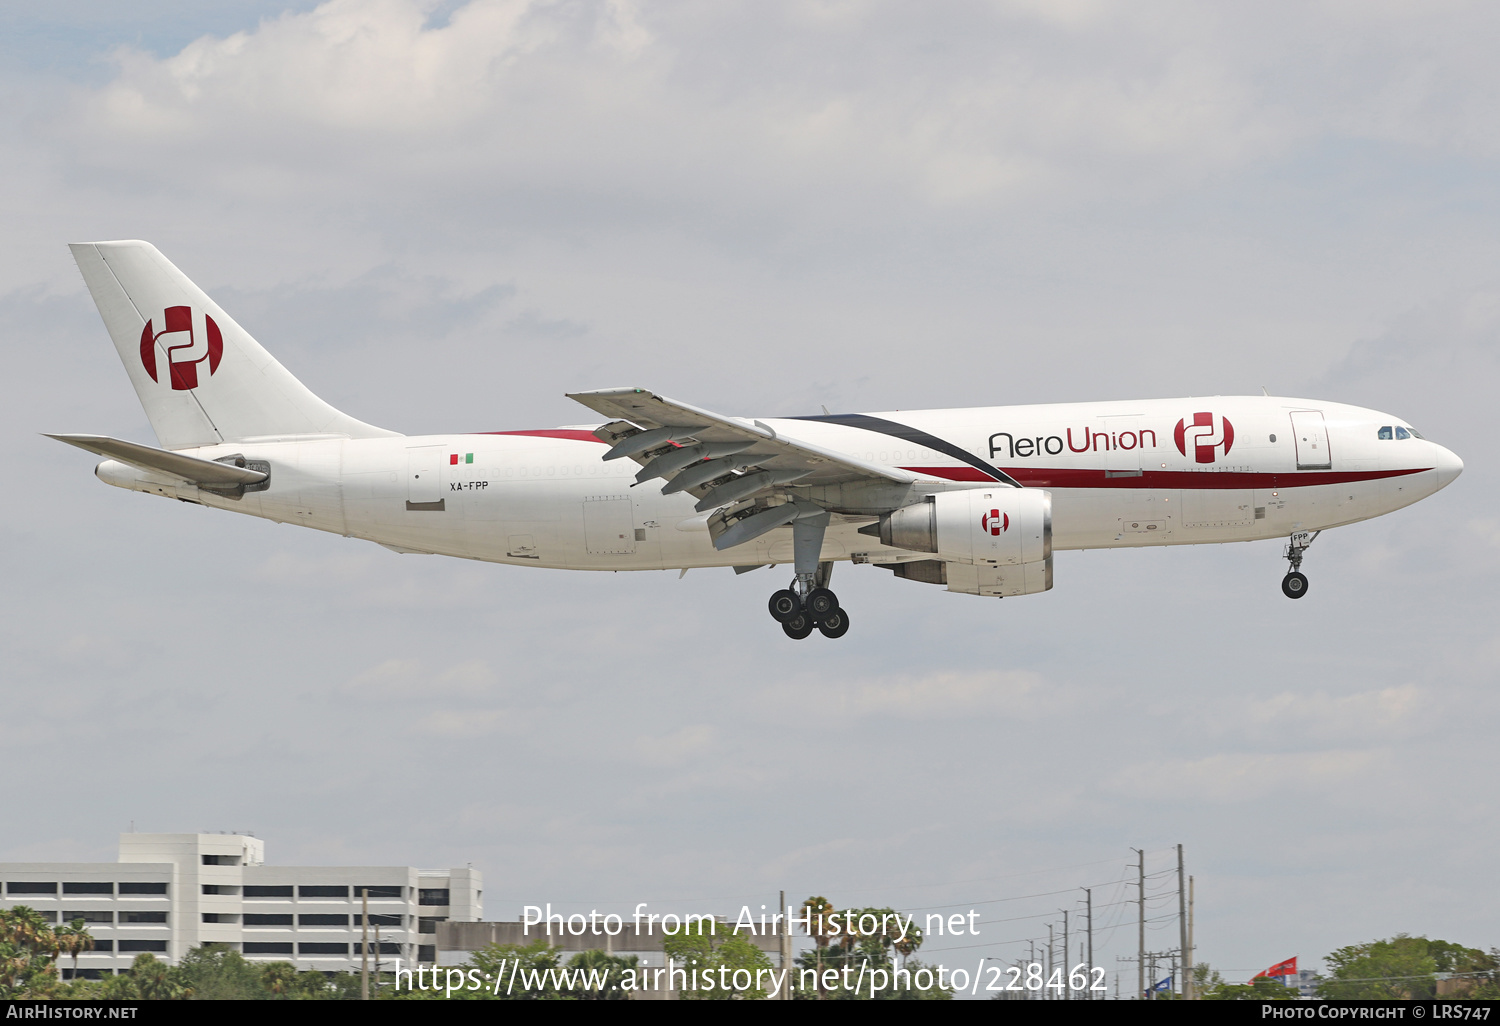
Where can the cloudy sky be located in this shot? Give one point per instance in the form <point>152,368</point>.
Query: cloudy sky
<point>442,216</point>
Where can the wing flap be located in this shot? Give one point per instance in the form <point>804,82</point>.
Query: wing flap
<point>660,415</point>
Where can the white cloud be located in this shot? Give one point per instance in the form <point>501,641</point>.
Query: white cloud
<point>1245,777</point>
<point>1010,694</point>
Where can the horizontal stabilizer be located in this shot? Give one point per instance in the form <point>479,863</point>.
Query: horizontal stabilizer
<point>190,468</point>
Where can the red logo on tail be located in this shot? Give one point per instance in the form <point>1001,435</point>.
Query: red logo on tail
<point>184,347</point>
<point>994,522</point>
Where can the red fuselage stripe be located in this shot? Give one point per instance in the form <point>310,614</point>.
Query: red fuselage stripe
<point>1041,477</point>
<point>577,436</point>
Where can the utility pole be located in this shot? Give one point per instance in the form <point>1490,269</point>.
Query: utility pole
<point>1186,989</point>
<point>1190,932</point>
<point>1067,990</point>
<point>1051,959</point>
<point>1140,971</point>
<point>364,945</point>
<point>1088,895</point>
<point>786,951</point>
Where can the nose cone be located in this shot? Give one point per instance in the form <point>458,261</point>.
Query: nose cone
<point>1448,467</point>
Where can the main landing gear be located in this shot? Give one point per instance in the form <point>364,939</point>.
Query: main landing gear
<point>798,616</point>
<point>1294,584</point>
<point>808,604</point>
<point>818,609</point>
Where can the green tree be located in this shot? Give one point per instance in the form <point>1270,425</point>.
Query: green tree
<point>526,972</point>
<point>151,979</point>
<point>28,954</point>
<point>601,965</point>
<point>716,954</point>
<point>862,939</point>
<point>279,980</point>
<point>1401,968</point>
<point>74,939</point>
<point>214,973</point>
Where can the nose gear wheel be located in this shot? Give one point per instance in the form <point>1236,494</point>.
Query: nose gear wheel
<point>1294,584</point>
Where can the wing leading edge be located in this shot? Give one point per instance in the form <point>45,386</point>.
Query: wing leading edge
<point>742,469</point>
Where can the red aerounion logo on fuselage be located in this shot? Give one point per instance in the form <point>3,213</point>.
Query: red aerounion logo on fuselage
<point>1208,434</point>
<point>994,522</point>
<point>187,345</point>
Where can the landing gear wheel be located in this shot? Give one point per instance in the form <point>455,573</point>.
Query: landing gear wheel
<point>798,627</point>
<point>1294,585</point>
<point>785,605</point>
<point>834,624</point>
<point>821,602</point>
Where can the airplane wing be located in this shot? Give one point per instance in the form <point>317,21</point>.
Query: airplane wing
<point>669,420</point>
<point>723,460</point>
<point>207,473</point>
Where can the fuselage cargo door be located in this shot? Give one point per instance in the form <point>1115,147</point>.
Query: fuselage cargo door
<point>424,477</point>
<point>609,526</point>
<point>1311,434</point>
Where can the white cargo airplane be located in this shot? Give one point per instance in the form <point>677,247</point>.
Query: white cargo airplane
<point>974,499</point>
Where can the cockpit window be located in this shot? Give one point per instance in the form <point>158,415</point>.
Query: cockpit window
<point>1401,432</point>
<point>1417,434</point>
<point>1385,433</point>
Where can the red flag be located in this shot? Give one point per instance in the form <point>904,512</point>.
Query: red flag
<point>1287,968</point>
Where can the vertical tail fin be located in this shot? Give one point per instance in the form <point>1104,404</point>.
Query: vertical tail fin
<point>201,377</point>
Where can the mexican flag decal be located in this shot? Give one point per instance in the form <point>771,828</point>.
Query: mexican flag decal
<point>454,459</point>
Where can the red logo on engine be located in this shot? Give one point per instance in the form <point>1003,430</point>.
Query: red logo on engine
<point>1209,435</point>
<point>186,344</point>
<point>994,522</point>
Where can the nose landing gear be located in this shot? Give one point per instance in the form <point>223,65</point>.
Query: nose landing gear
<point>1294,584</point>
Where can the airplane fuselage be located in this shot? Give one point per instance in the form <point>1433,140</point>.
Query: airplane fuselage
<point>1150,472</point>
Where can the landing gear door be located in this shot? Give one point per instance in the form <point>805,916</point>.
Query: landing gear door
<point>1311,434</point>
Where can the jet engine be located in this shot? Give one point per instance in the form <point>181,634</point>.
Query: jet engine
<point>991,541</point>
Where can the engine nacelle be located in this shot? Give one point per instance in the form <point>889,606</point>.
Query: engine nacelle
<point>986,527</point>
<point>988,541</point>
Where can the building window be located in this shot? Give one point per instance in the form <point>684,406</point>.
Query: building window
<point>385,948</point>
<point>221,889</point>
<point>143,888</point>
<point>428,924</point>
<point>427,953</point>
<point>27,887</point>
<point>433,896</point>
<point>89,916</point>
<point>220,917</point>
<point>383,891</point>
<point>323,949</point>
<point>268,919</point>
<point>320,919</point>
<point>267,948</point>
<point>143,917</point>
<point>86,974</point>
<point>142,945</point>
<point>88,887</point>
<point>322,891</point>
<point>277,891</point>
<point>221,860</point>
<point>382,919</point>
<point>103,947</point>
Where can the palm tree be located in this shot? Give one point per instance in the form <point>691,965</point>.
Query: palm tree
<point>74,939</point>
<point>817,915</point>
<point>280,978</point>
<point>28,953</point>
